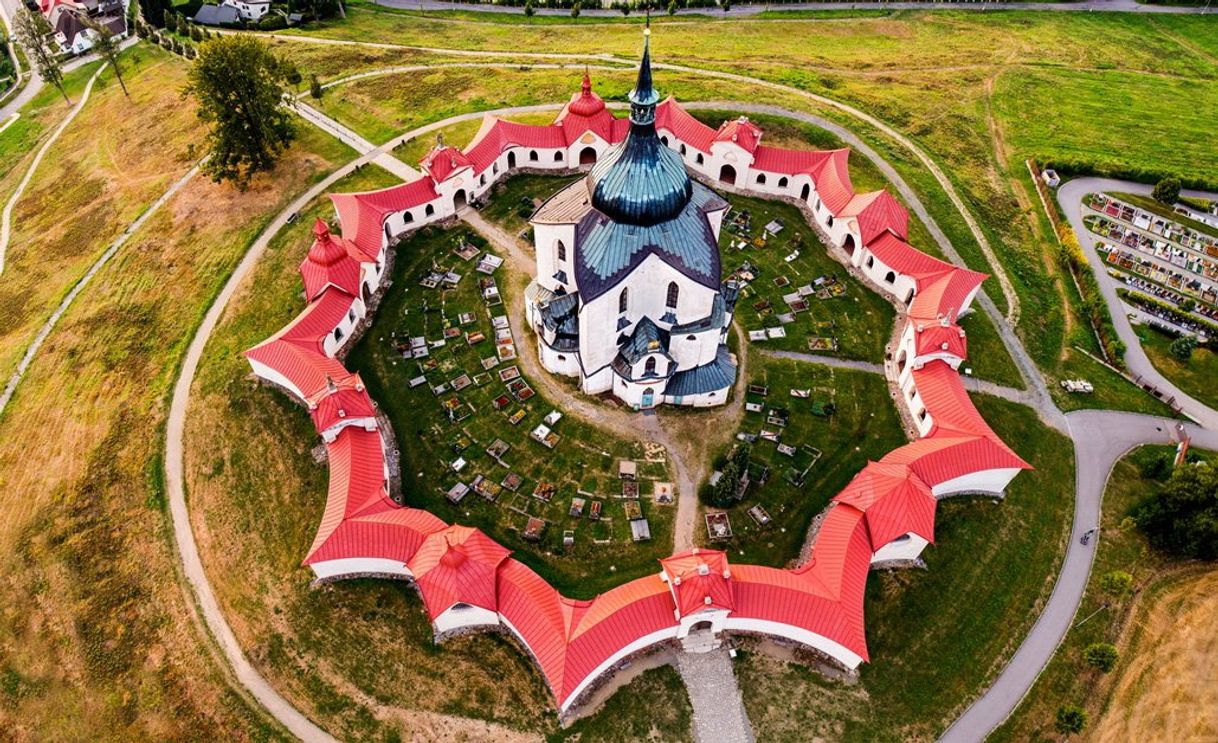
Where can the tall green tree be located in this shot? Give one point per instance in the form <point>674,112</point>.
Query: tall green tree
<point>34,32</point>
<point>241,86</point>
<point>107,48</point>
<point>1167,191</point>
<point>1182,517</point>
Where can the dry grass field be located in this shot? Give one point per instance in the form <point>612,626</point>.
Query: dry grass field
<point>97,639</point>
<point>1167,690</point>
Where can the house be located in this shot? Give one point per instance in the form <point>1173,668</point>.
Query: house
<point>250,10</point>
<point>217,15</point>
<point>74,32</point>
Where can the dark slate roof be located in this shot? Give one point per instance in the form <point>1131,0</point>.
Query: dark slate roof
<point>641,181</point>
<point>713,320</point>
<point>562,315</point>
<point>216,15</point>
<point>646,338</point>
<point>606,251</point>
<point>717,375</point>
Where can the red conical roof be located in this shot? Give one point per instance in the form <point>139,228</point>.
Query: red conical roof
<point>331,261</point>
<point>585,102</point>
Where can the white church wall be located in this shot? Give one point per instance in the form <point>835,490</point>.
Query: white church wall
<point>834,650</point>
<point>464,616</point>
<point>354,567</point>
<point>905,547</point>
<point>988,482</point>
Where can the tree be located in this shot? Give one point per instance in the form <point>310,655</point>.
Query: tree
<point>672,7</point>
<point>33,31</point>
<point>1070,720</point>
<point>1167,190</point>
<point>575,10</point>
<point>108,50</point>
<point>726,490</point>
<point>1116,583</point>
<point>291,74</point>
<point>315,89</point>
<point>1101,655</point>
<point>239,84</point>
<point>727,5</point>
<point>1182,518</point>
<point>528,8</point>
<point>1182,347</point>
<point>170,21</point>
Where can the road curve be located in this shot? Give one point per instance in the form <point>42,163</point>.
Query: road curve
<point>1101,438</point>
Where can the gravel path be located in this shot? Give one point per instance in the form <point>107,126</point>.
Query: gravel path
<point>719,715</point>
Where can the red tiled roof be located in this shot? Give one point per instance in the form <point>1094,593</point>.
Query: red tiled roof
<point>497,135</point>
<point>296,351</point>
<point>943,394</point>
<point>939,336</point>
<point>905,259</point>
<point>878,212</point>
<point>340,399</point>
<point>700,579</point>
<point>832,181</point>
<point>363,214</point>
<point>670,116</point>
<point>945,295</point>
<point>945,455</point>
<point>331,261</point>
<point>789,162</point>
<point>443,161</point>
<point>894,501</point>
<point>743,132</point>
<point>457,565</point>
<point>539,614</point>
<point>585,103</point>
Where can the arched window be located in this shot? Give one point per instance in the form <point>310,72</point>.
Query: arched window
<point>532,156</point>
<point>387,235</point>
<point>338,334</point>
<point>674,292</point>
<point>482,180</point>
<point>562,251</point>
<point>429,210</point>
<point>782,182</point>
<point>761,179</point>
<point>890,277</point>
<point>870,261</point>
<point>682,148</point>
<point>699,159</point>
<point>558,156</point>
<point>829,220</point>
<point>623,301</point>
<point>407,217</point>
<point>649,368</point>
<point>664,139</point>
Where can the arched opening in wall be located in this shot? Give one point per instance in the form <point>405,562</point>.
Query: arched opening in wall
<point>664,139</point>
<point>848,245</point>
<point>805,192</point>
<point>407,217</point>
<point>587,156</point>
<point>561,251</point>
<point>338,334</point>
<point>649,368</point>
<point>761,179</point>
<point>890,277</point>
<point>901,360</point>
<point>699,158</point>
<point>727,174</point>
<point>870,261</point>
<point>429,210</point>
<point>909,295</point>
<point>482,180</point>
<point>511,160</point>
<point>682,149</point>
<point>782,182</point>
<point>532,156</point>
<point>674,293</point>
<point>829,220</point>
<point>387,235</point>
<point>558,156</point>
<point>703,626</point>
<point>623,301</point>
<point>649,398</point>
<point>365,294</point>
<point>459,200</point>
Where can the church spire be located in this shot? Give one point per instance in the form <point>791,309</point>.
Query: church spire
<point>643,98</point>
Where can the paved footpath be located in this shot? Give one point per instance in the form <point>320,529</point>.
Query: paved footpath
<point>719,715</point>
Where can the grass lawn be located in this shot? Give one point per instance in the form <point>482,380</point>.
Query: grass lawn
<point>936,637</point>
<point>653,707</point>
<point>583,464</point>
<point>865,426</point>
<point>1197,377</point>
<point>41,114</point>
<point>1112,391</point>
<point>99,639</point>
<point>1103,617</point>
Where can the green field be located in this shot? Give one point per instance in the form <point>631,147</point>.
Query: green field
<point>1197,377</point>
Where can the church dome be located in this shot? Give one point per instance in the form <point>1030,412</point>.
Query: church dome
<point>585,102</point>
<point>326,251</point>
<point>641,181</point>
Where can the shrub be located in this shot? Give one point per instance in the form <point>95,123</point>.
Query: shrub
<point>196,33</point>
<point>528,8</point>
<point>273,22</point>
<point>1101,655</point>
<point>1070,720</point>
<point>672,7</point>
<point>315,89</point>
<point>1116,583</point>
<point>1182,518</point>
<point>1182,347</point>
<point>575,10</point>
<point>1167,191</point>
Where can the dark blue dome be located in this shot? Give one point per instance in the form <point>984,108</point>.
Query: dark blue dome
<point>641,181</point>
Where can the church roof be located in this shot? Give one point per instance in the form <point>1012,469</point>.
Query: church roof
<point>585,102</point>
<point>641,181</point>
<point>700,579</point>
<point>717,375</point>
<point>646,338</point>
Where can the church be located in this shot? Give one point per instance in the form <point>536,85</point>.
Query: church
<point>628,296</point>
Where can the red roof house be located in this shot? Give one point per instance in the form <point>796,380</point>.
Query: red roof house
<point>699,579</point>
<point>458,564</point>
<point>894,502</point>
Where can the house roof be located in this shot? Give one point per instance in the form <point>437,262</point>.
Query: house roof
<point>457,564</point>
<point>877,212</point>
<point>717,375</point>
<point>363,214</point>
<point>443,161</point>
<point>788,162</point>
<point>832,181</point>
<point>905,259</point>
<point>331,261</point>
<point>948,403</point>
<point>741,131</point>
<point>894,501</point>
<point>296,351</point>
<point>700,579</point>
<point>341,399</point>
<point>945,295</point>
<point>939,336</point>
<point>671,116</point>
<point>945,455</point>
<point>216,15</point>
<point>585,103</point>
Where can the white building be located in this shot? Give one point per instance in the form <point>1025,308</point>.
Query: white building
<point>628,296</point>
